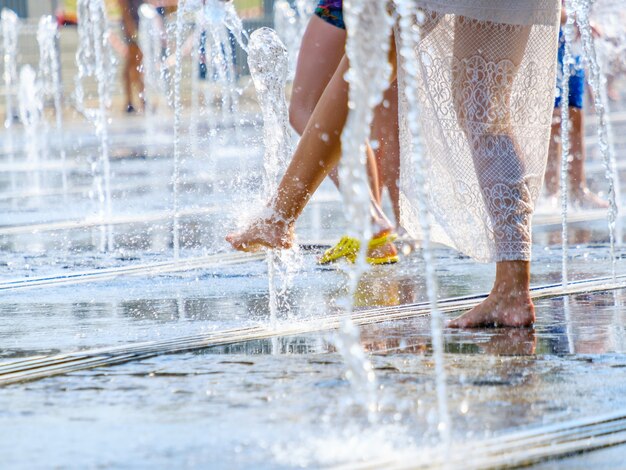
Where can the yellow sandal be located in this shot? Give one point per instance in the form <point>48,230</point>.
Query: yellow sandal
<point>348,248</point>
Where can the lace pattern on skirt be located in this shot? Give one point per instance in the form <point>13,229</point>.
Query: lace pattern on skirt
<point>486,92</point>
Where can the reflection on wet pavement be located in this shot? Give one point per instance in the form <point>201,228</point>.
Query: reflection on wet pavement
<point>285,402</point>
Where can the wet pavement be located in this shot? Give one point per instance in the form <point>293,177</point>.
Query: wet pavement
<point>284,402</point>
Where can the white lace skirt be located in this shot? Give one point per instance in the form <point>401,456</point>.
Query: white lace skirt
<point>486,91</point>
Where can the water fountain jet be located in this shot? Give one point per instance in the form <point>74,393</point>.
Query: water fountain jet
<point>50,77</point>
<point>94,59</point>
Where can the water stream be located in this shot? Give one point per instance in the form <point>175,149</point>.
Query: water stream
<point>10,31</point>
<point>269,65</point>
<point>95,59</point>
<point>10,25</point>
<point>569,33</point>
<point>150,42</point>
<point>30,112</point>
<point>409,38</point>
<point>367,48</point>
<point>50,79</point>
<point>583,11</point>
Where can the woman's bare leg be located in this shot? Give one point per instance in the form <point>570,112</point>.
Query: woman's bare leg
<point>509,302</point>
<point>498,164</point>
<point>318,152</point>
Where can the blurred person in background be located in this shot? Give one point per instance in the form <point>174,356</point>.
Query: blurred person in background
<point>131,73</point>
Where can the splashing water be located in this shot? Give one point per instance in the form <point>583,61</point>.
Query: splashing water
<point>178,110</point>
<point>30,112</point>
<point>582,9</point>
<point>269,64</point>
<point>290,23</point>
<point>10,29</point>
<point>218,20</point>
<point>285,22</point>
<point>222,21</point>
<point>50,78</point>
<point>10,25</point>
<point>569,33</point>
<point>409,40</point>
<point>367,48</point>
<point>95,59</point>
<point>217,25</point>
<point>150,42</point>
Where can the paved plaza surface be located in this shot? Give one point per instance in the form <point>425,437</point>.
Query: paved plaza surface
<point>115,353</point>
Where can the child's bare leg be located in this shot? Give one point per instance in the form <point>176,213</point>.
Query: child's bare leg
<point>554,155</point>
<point>581,194</point>
<point>318,152</point>
<point>320,53</point>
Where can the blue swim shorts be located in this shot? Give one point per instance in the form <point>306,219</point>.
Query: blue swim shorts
<point>576,79</point>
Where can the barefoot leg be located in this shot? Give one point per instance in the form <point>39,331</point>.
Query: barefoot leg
<point>509,303</point>
<point>581,195</point>
<point>500,167</point>
<point>554,155</point>
<point>318,152</point>
<point>385,132</point>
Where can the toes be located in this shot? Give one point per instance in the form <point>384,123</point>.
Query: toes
<point>238,243</point>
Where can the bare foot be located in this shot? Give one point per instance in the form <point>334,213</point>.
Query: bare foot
<point>586,199</point>
<point>267,232</point>
<point>498,310</point>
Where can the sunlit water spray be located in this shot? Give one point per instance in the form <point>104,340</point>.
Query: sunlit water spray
<point>9,23</point>
<point>10,31</point>
<point>582,8</point>
<point>150,42</point>
<point>269,65</point>
<point>95,59</point>
<point>569,34</point>
<point>409,38</point>
<point>223,23</point>
<point>217,21</point>
<point>30,112</point>
<point>290,23</point>
<point>50,79</point>
<point>367,47</point>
